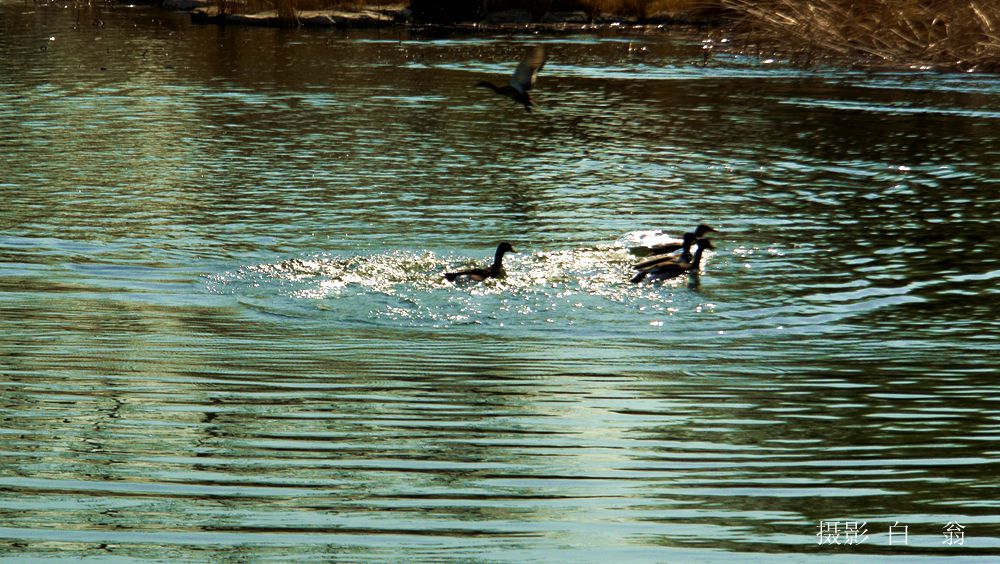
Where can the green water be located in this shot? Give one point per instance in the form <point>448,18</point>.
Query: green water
<point>224,334</point>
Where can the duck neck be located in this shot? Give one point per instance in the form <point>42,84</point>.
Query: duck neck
<point>696,262</point>
<point>497,264</point>
<point>686,250</point>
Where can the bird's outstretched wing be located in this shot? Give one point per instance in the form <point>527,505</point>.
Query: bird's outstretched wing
<point>524,77</point>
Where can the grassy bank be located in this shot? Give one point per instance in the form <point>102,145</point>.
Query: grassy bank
<point>946,34</point>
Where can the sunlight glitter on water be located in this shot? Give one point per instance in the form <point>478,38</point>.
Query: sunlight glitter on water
<point>408,286</point>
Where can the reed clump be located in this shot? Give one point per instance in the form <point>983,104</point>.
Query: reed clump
<point>944,34</point>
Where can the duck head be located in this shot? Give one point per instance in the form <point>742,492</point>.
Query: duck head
<point>700,231</point>
<point>504,247</point>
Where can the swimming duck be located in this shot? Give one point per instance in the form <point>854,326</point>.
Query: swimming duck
<point>685,256</point>
<point>672,269</point>
<point>494,271</point>
<point>523,79</point>
<point>699,232</point>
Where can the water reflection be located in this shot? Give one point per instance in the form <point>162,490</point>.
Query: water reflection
<point>225,329</point>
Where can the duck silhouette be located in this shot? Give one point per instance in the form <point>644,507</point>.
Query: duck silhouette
<point>673,268</point>
<point>523,80</point>
<point>478,274</point>
<point>698,233</point>
<point>667,256</point>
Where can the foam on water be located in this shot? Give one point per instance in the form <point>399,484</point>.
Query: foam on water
<point>542,287</point>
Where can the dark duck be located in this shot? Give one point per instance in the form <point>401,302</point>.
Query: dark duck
<point>523,80</point>
<point>689,239</point>
<point>494,271</point>
<point>667,254</point>
<point>672,267</point>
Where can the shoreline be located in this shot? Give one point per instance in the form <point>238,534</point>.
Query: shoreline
<point>742,38</point>
<point>204,14</point>
<point>377,16</point>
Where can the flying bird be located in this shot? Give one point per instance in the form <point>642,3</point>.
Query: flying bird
<point>523,79</point>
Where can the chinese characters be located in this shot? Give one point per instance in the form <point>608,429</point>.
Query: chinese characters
<point>855,532</point>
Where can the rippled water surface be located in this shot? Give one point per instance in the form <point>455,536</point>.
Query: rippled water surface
<point>224,334</point>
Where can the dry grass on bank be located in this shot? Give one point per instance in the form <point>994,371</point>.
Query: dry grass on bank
<point>956,34</point>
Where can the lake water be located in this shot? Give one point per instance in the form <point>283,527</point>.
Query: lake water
<point>224,334</point>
